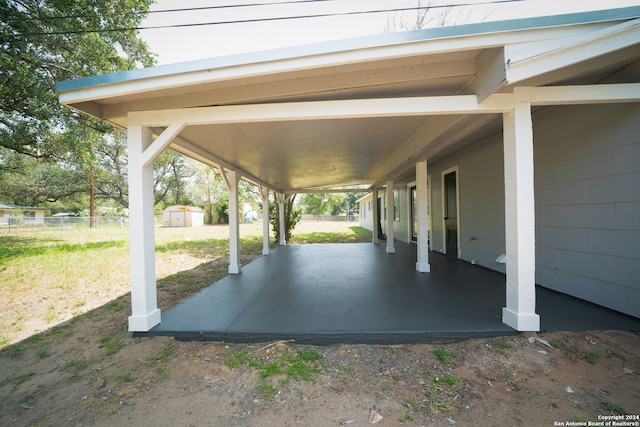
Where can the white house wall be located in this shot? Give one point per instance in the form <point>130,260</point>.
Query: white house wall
<point>587,191</point>
<point>588,203</point>
<point>401,226</point>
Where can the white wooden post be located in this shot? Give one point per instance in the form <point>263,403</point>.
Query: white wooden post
<point>391,249</point>
<point>519,220</point>
<point>375,214</point>
<point>422,215</point>
<point>280,198</point>
<point>264,191</point>
<point>144,306</point>
<point>231,179</point>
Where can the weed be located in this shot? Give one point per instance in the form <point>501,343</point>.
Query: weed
<point>162,356</point>
<point>3,340</point>
<point>78,365</point>
<point>299,369</point>
<point>16,379</point>
<point>434,401</point>
<point>448,380</point>
<point>268,389</point>
<point>575,353</point>
<point>445,357</point>
<point>407,417</point>
<point>122,377</point>
<point>50,315</point>
<point>270,370</point>
<point>116,305</point>
<point>581,419</point>
<point>238,358</point>
<point>163,373</point>
<point>347,370</point>
<point>309,354</point>
<point>43,352</point>
<point>15,350</point>
<point>113,344</point>
<point>613,408</point>
<point>410,401</point>
<point>504,346</point>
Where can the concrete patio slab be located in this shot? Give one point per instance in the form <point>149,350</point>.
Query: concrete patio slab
<point>357,293</point>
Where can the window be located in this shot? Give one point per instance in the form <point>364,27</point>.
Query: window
<point>396,205</point>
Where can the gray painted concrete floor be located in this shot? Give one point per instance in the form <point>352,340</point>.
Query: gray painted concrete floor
<point>357,293</point>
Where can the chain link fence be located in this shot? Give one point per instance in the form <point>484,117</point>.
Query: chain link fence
<point>13,225</point>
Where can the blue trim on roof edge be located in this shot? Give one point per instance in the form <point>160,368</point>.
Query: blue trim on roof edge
<point>352,44</point>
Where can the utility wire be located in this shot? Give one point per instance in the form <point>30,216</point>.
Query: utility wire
<point>244,21</point>
<point>186,9</point>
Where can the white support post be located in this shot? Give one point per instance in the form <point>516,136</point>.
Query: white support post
<point>231,178</point>
<point>391,249</point>
<point>519,220</point>
<point>376,216</point>
<point>144,305</point>
<point>422,217</point>
<point>280,198</point>
<point>264,191</point>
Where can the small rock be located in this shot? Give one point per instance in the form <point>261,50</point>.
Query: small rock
<point>451,420</point>
<point>570,390</point>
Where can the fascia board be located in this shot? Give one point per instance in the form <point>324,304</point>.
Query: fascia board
<point>435,40</point>
<point>526,62</point>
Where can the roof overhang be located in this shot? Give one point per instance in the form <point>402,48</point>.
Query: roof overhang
<point>353,114</point>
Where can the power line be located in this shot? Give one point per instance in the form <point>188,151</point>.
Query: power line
<point>245,21</point>
<point>187,9</point>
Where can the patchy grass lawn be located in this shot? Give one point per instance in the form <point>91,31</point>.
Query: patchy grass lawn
<point>50,276</point>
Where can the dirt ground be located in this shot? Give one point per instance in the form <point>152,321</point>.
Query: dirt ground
<point>89,372</point>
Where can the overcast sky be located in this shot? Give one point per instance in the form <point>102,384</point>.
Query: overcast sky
<point>207,41</point>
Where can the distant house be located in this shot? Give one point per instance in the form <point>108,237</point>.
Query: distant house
<point>23,214</point>
<point>183,216</point>
<point>513,145</point>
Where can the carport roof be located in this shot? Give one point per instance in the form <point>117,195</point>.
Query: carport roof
<point>361,111</point>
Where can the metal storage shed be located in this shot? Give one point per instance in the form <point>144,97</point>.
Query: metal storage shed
<point>182,216</point>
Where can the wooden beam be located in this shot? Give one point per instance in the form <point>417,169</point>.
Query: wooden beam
<point>324,110</point>
<point>588,94</point>
<point>162,141</point>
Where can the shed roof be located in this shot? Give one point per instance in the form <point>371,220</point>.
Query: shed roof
<point>361,111</point>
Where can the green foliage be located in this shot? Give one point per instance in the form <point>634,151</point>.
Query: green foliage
<point>43,352</point>
<point>113,344</point>
<point>445,357</point>
<point>122,377</point>
<point>163,373</point>
<point>503,346</point>
<point>238,358</point>
<point>16,379</point>
<point>613,408</point>
<point>16,350</point>
<point>448,379</point>
<point>40,49</point>
<point>357,235</point>
<point>574,353</point>
<point>269,390</point>
<point>78,365</point>
<point>291,216</point>
<point>301,365</point>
